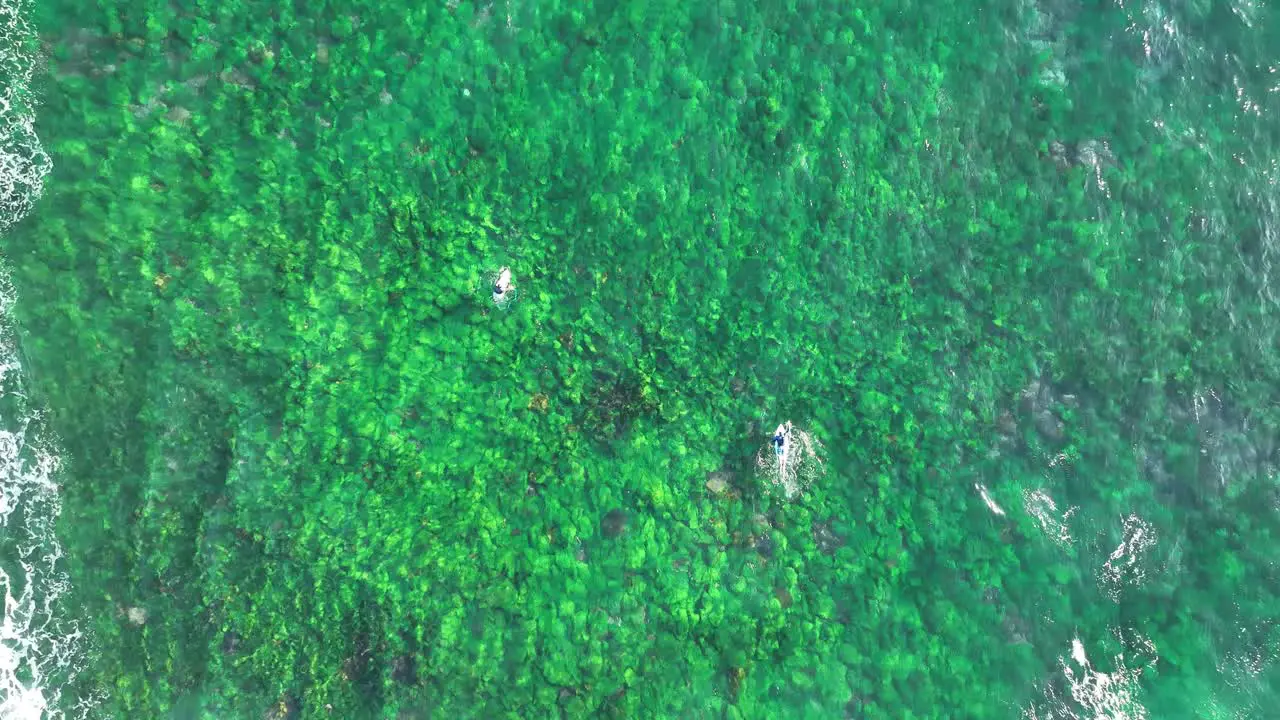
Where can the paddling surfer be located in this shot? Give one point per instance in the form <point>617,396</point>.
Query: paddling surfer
<point>503,290</point>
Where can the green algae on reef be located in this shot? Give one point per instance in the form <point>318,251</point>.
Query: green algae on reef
<point>997,256</point>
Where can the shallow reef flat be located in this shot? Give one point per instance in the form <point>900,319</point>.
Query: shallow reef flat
<point>1007,264</point>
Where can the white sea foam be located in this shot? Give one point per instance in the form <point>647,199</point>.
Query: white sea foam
<point>1054,523</point>
<point>41,650</point>
<point>23,161</point>
<point>1093,694</point>
<point>1104,695</point>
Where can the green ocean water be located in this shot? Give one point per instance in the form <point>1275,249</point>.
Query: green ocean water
<point>1008,263</point>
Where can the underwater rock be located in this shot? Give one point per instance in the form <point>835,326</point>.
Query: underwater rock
<point>286,707</point>
<point>1015,627</point>
<point>1232,450</point>
<point>538,402</point>
<point>1050,425</point>
<point>1058,152</point>
<point>1153,466</point>
<point>404,669</point>
<point>765,546</point>
<point>1053,75</point>
<point>137,615</point>
<point>854,708</point>
<point>1034,396</point>
<point>735,675</point>
<point>718,481</point>
<point>828,542</point>
<point>179,115</point>
<point>1094,153</point>
<point>615,402</point>
<point>1038,399</point>
<point>237,78</point>
<point>614,523</point>
<point>1007,426</point>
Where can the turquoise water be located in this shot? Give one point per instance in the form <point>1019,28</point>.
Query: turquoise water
<point>1006,270</point>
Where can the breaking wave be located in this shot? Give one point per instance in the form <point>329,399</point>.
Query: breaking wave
<point>41,650</point>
